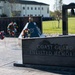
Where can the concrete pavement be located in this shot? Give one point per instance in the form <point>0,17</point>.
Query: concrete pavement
<point>10,51</point>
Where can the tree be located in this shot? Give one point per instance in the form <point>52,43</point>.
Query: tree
<point>58,10</point>
<point>52,14</point>
<point>12,3</point>
<point>58,5</point>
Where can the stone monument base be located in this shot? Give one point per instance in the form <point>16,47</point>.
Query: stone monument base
<point>52,51</point>
<point>46,67</point>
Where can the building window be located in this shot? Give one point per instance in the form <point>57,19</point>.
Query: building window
<point>35,8</point>
<point>42,8</point>
<point>28,8</point>
<point>23,15</point>
<point>39,15</point>
<point>23,7</point>
<point>0,7</point>
<point>31,8</point>
<point>38,8</point>
<point>47,10</point>
<point>42,15</point>
<point>31,14</point>
<point>35,15</point>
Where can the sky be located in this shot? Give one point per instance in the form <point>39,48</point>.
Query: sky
<point>51,2</point>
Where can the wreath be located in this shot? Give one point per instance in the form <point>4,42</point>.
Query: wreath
<point>26,33</point>
<point>2,35</point>
<point>11,29</point>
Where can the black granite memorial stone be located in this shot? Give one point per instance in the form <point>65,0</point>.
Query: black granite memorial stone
<point>57,51</point>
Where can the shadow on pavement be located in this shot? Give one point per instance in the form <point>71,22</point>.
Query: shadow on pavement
<point>52,69</point>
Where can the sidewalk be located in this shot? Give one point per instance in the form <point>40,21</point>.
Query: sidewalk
<point>10,51</point>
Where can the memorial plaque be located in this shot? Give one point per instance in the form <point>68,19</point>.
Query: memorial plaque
<point>58,51</point>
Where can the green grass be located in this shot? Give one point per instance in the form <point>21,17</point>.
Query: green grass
<point>71,25</point>
<point>51,27</point>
